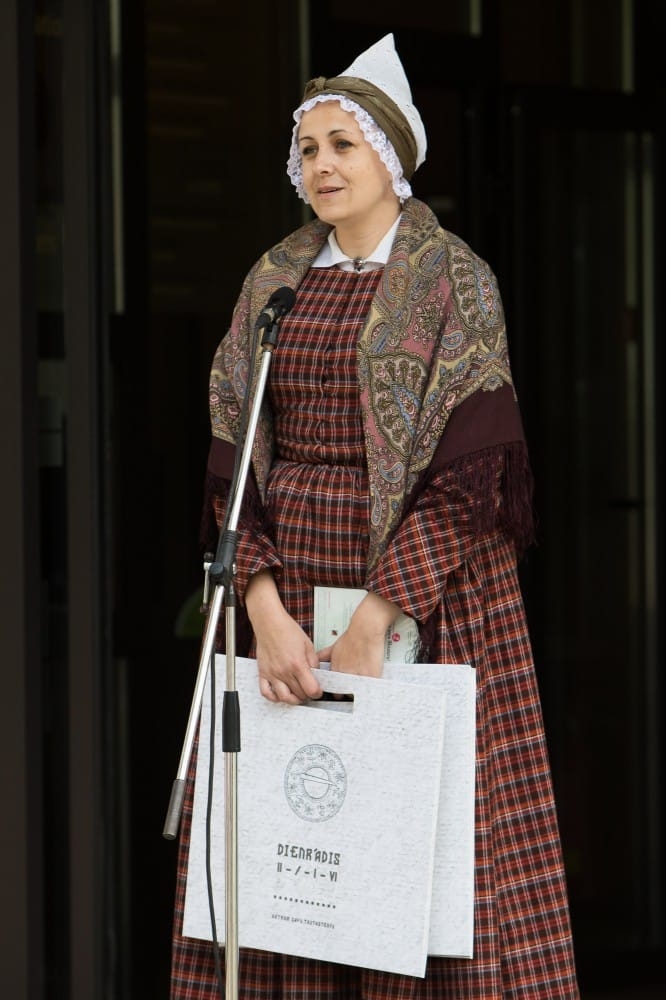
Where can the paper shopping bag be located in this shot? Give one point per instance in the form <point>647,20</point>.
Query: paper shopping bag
<point>452,907</point>
<point>338,808</point>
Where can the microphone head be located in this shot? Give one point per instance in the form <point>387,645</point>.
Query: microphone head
<point>279,304</point>
<point>282,300</point>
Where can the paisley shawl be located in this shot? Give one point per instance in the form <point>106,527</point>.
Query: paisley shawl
<point>434,336</point>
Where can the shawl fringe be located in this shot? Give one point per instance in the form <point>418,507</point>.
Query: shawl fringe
<point>216,494</point>
<point>500,483</point>
<point>499,480</point>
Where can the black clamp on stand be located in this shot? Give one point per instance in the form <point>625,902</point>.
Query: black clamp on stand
<point>221,572</point>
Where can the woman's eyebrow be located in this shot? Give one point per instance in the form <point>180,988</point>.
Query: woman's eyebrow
<point>334,131</point>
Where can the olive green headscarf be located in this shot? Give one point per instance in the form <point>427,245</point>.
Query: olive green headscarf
<point>379,106</point>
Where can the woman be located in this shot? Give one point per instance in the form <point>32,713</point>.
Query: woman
<point>390,457</point>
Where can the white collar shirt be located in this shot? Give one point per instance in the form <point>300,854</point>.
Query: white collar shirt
<point>331,255</point>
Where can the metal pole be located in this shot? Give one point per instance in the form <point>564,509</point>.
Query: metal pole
<point>221,572</point>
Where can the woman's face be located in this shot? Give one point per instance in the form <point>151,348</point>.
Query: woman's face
<point>344,178</point>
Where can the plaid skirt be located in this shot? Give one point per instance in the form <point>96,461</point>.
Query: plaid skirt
<point>522,938</point>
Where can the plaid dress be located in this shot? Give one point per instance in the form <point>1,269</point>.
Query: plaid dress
<point>439,568</point>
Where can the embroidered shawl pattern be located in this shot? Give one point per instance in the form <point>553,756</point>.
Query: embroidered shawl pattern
<point>435,335</point>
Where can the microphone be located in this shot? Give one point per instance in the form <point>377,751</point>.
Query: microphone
<point>279,304</point>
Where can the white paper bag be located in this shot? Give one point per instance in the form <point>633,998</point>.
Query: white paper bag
<point>451,926</point>
<point>337,822</point>
<point>452,914</point>
<point>390,876</point>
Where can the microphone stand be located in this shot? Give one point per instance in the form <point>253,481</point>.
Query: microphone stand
<point>221,573</point>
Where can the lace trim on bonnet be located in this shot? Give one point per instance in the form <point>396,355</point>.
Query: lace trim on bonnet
<point>372,133</point>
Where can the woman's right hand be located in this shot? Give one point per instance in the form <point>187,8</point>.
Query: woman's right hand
<point>285,654</point>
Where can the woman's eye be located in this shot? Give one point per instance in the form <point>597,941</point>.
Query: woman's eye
<point>339,146</point>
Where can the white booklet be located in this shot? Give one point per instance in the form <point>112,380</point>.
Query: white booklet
<point>334,606</point>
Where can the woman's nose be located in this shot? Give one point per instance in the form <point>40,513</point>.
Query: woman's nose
<point>322,163</point>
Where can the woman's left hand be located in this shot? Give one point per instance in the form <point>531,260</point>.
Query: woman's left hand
<point>361,648</point>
